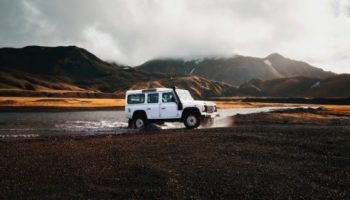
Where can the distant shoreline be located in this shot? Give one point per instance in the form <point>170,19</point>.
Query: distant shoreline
<point>30,104</point>
<point>297,100</point>
<point>57,109</point>
<point>49,104</point>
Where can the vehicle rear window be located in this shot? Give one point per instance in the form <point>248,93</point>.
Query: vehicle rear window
<point>153,98</point>
<point>168,97</point>
<point>136,98</point>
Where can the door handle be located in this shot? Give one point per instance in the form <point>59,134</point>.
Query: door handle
<point>163,108</point>
<point>148,108</point>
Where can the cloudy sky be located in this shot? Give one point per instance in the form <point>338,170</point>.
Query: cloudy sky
<point>134,31</point>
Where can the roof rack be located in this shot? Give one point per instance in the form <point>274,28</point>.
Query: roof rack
<point>150,90</point>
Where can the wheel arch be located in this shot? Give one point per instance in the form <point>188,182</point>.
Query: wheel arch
<point>190,110</point>
<point>139,112</point>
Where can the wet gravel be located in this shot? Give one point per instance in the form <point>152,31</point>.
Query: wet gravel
<point>241,162</point>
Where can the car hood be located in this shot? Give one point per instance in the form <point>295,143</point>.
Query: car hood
<point>199,103</point>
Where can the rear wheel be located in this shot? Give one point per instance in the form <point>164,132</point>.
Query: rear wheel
<point>139,121</point>
<point>192,120</point>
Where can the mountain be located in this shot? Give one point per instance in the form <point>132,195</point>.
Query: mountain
<point>335,86</point>
<point>64,68</point>
<point>237,69</point>
<point>199,87</point>
<point>73,70</point>
<point>60,70</point>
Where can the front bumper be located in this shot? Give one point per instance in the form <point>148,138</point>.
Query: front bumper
<point>210,115</point>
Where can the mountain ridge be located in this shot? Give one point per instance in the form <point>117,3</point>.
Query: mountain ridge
<point>75,70</point>
<point>71,71</point>
<point>64,68</point>
<point>336,86</point>
<point>236,69</point>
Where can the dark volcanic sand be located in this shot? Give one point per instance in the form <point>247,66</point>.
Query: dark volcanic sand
<point>243,162</point>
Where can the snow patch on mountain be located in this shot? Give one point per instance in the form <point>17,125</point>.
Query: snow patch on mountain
<point>268,62</point>
<point>191,72</point>
<point>316,84</point>
<point>197,61</point>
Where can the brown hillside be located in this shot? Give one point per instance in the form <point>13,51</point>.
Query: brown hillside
<point>198,86</point>
<point>64,68</point>
<point>237,69</point>
<point>336,86</point>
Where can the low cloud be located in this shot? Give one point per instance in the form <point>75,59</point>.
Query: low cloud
<point>133,31</point>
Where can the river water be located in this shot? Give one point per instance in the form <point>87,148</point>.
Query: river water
<point>35,124</point>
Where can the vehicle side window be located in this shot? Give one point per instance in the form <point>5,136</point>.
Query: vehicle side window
<point>136,98</point>
<point>168,97</point>
<point>153,98</point>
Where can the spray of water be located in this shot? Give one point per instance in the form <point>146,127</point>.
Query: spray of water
<point>218,122</point>
<point>222,122</point>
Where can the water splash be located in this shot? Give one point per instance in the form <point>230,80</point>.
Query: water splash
<point>222,122</point>
<point>102,125</point>
<point>19,136</point>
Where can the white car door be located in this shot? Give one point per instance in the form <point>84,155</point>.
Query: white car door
<point>152,107</point>
<point>168,106</point>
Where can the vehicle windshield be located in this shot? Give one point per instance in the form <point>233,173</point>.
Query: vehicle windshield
<point>184,95</point>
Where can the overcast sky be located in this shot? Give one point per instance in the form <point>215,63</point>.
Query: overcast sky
<point>134,31</point>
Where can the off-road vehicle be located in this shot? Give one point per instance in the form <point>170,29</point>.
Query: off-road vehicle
<point>167,105</point>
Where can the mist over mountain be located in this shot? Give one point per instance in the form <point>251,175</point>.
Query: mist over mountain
<point>237,69</point>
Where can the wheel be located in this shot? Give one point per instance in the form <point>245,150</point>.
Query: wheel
<point>139,121</point>
<point>192,120</point>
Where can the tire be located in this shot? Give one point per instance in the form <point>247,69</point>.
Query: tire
<point>192,120</point>
<point>139,121</point>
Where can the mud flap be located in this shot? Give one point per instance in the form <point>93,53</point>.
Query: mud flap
<point>130,123</point>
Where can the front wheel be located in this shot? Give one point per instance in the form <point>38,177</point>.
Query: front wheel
<point>192,121</point>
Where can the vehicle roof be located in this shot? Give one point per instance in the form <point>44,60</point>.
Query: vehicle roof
<point>150,90</point>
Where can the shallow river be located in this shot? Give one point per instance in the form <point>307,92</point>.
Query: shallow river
<point>34,124</point>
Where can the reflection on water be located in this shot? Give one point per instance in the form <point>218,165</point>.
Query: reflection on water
<point>33,124</point>
<point>15,124</point>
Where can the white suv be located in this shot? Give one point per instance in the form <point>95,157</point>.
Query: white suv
<point>167,105</point>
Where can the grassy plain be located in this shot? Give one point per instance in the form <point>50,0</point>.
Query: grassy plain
<point>59,102</point>
<point>47,102</point>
